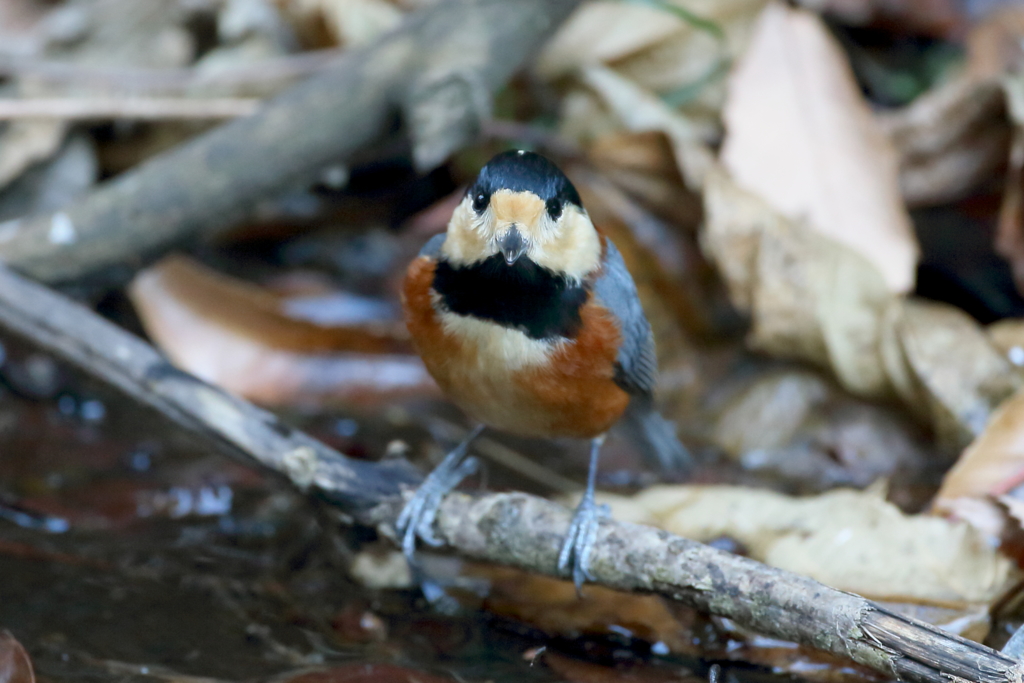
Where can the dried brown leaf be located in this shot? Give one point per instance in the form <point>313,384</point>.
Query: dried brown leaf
<point>15,665</point>
<point>553,606</point>
<point>604,31</point>
<point>801,136</point>
<point>812,298</point>
<point>994,462</point>
<point>808,296</point>
<point>655,47</point>
<point>944,366</point>
<point>639,110</point>
<point>851,540</point>
<point>644,165</point>
<point>994,43</point>
<point>247,340</point>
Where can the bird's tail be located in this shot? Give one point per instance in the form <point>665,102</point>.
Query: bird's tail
<point>653,435</point>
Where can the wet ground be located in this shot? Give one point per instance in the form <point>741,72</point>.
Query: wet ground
<point>129,552</point>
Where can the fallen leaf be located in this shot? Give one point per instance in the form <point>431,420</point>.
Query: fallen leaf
<point>850,540</point>
<point>640,111</point>
<point>644,165</point>
<point>363,673</point>
<point>994,462</point>
<point>812,298</point>
<point>554,607</point>
<point>994,43</point>
<point>801,136</point>
<point>604,31</point>
<point>678,49</point>
<point>768,413</point>
<point>950,140</point>
<point>15,665</point>
<point>809,296</point>
<point>270,349</point>
<point>943,366</point>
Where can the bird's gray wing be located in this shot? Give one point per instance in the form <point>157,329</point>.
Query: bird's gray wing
<point>432,248</point>
<point>615,290</point>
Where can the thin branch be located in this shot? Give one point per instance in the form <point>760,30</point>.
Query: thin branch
<point>511,529</point>
<point>167,80</point>
<point>140,108</point>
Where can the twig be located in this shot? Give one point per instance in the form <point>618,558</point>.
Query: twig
<point>435,73</point>
<point>166,80</point>
<point>512,529</point>
<point>142,108</point>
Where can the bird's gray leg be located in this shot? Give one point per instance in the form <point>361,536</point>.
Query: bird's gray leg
<point>579,541</point>
<point>418,515</point>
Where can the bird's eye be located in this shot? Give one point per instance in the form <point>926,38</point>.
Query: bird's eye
<point>480,202</point>
<point>554,207</point>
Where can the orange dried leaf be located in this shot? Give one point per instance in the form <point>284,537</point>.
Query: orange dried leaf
<point>553,606</point>
<point>994,463</point>
<point>254,343</point>
<point>15,665</point>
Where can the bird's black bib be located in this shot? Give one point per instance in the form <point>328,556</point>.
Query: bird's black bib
<point>523,296</point>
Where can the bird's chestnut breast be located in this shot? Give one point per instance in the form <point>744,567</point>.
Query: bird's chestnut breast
<point>510,380</point>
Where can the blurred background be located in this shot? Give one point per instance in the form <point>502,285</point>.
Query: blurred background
<point>822,203</point>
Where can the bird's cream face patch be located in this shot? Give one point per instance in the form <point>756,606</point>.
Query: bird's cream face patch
<point>568,245</point>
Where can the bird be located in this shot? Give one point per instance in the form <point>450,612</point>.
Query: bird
<point>528,320</point>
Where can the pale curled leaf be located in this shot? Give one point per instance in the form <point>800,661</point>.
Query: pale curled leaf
<point>944,366</point>
<point>801,136</point>
<point>669,47</point>
<point>851,540</point>
<point>809,297</point>
<point>950,140</point>
<point>639,110</point>
<point>604,31</point>
<point>815,299</point>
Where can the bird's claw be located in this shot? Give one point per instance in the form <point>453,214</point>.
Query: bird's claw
<point>418,515</point>
<point>579,541</point>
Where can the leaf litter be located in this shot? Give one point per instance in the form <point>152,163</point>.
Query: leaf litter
<point>846,428</point>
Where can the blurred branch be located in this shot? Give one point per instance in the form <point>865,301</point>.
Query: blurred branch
<point>511,529</point>
<point>167,81</point>
<point>436,73</point>
<point>143,108</point>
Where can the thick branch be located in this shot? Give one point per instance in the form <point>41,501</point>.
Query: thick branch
<point>436,71</point>
<point>78,336</point>
<point>511,529</point>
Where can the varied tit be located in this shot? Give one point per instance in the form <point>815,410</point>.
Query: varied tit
<point>529,321</point>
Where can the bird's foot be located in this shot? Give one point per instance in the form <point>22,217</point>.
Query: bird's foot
<point>418,515</point>
<point>579,541</point>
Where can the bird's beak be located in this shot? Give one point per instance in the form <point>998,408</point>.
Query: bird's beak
<point>512,245</point>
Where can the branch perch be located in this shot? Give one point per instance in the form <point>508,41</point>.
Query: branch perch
<point>512,529</point>
<point>437,72</point>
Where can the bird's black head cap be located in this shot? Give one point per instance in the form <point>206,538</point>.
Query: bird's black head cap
<point>522,171</point>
